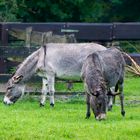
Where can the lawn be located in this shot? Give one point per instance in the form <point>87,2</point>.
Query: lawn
<point>26,120</point>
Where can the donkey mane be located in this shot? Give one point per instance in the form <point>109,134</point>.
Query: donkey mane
<point>27,67</point>
<point>95,73</point>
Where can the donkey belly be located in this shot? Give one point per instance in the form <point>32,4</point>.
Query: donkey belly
<point>68,77</point>
<point>69,73</point>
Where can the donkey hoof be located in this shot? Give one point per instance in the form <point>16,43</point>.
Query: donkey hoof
<point>110,108</point>
<point>42,105</point>
<point>123,113</point>
<point>51,104</point>
<point>87,116</point>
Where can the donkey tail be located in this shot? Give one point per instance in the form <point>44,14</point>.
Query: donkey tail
<point>41,58</point>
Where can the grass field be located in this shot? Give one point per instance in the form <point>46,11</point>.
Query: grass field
<point>27,121</point>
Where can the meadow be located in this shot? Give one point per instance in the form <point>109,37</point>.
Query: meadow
<point>25,120</point>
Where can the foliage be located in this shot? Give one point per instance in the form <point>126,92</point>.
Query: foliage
<point>69,10</point>
<point>130,46</point>
<point>8,9</point>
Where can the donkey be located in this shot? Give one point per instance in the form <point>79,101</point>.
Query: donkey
<point>50,61</point>
<point>101,71</point>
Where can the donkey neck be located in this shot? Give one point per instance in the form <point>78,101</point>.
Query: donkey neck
<point>28,67</point>
<point>99,76</point>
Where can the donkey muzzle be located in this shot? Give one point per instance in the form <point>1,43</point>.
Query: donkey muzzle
<point>7,101</point>
<point>101,116</point>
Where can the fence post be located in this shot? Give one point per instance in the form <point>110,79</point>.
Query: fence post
<point>43,38</point>
<point>28,37</point>
<point>4,34</point>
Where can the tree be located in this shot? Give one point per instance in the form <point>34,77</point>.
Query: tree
<point>61,10</point>
<point>70,10</point>
<point>8,10</point>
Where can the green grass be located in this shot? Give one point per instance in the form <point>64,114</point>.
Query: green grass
<point>132,86</point>
<point>25,120</point>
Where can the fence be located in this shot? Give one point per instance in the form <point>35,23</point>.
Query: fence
<point>82,31</point>
<point>101,32</point>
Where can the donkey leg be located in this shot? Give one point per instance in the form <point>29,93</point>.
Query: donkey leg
<point>110,102</point>
<point>88,106</point>
<point>111,99</point>
<point>114,99</point>
<point>51,82</point>
<point>122,99</point>
<point>116,89</point>
<point>44,91</point>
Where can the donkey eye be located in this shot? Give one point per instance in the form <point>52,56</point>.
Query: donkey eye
<point>99,104</point>
<point>9,88</point>
<point>98,93</point>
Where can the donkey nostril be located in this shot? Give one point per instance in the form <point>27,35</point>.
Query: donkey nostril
<point>7,100</point>
<point>98,117</point>
<point>4,102</point>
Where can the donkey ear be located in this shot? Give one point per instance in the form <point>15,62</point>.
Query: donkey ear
<point>17,79</point>
<point>95,94</point>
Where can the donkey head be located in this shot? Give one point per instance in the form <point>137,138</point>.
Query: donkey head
<point>14,89</point>
<point>99,103</point>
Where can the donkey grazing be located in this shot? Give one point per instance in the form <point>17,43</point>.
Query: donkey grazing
<point>101,71</point>
<point>53,60</point>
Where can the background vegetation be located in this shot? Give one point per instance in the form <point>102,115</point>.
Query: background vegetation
<point>70,10</point>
